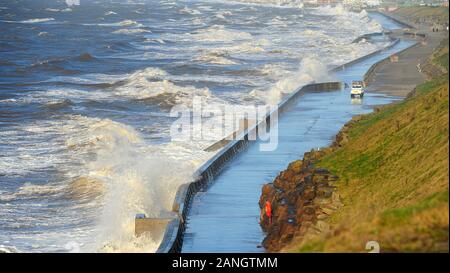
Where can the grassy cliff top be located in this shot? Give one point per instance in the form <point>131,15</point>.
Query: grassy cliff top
<point>394,176</point>
<point>440,56</point>
<point>430,15</point>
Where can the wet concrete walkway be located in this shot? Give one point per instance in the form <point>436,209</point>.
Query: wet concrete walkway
<point>224,218</point>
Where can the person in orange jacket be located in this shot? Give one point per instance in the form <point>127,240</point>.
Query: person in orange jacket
<point>268,209</point>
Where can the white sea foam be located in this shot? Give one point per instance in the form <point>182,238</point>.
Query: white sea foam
<point>35,146</point>
<point>310,70</point>
<point>274,3</point>
<point>278,21</point>
<point>133,175</point>
<point>8,249</point>
<point>131,31</point>
<point>123,23</point>
<point>151,82</point>
<point>94,78</point>
<point>223,14</point>
<point>254,46</point>
<point>129,23</point>
<point>51,97</point>
<point>141,84</point>
<point>161,41</point>
<point>58,10</point>
<point>146,74</point>
<point>337,10</point>
<point>31,191</point>
<point>38,20</point>
<point>110,13</point>
<point>274,71</point>
<point>142,88</point>
<point>52,10</point>
<point>215,58</point>
<point>221,55</point>
<point>358,21</point>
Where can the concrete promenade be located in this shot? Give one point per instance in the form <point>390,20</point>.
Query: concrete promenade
<point>400,76</point>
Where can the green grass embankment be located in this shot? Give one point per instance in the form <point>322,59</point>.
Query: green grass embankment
<point>394,176</point>
<point>424,14</point>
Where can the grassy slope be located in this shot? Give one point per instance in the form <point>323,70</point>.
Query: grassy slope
<point>440,56</point>
<point>393,177</point>
<point>437,15</point>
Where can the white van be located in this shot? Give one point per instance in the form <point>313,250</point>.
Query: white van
<point>357,89</point>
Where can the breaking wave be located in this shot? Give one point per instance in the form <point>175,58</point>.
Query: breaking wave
<point>110,13</point>
<point>187,10</point>
<point>348,18</point>
<point>100,172</point>
<point>38,20</point>
<point>31,191</point>
<point>127,23</point>
<point>8,249</point>
<point>310,71</point>
<point>118,169</point>
<point>215,58</point>
<point>135,178</point>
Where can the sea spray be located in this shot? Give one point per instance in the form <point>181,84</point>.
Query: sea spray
<point>310,70</point>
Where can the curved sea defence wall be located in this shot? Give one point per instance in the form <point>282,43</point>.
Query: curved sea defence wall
<point>342,67</point>
<point>369,73</point>
<point>393,18</point>
<point>371,70</point>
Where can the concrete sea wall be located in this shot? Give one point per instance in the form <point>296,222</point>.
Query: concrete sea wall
<point>342,67</point>
<point>174,232</point>
<point>371,70</point>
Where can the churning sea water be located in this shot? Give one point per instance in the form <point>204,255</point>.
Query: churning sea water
<point>86,92</point>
